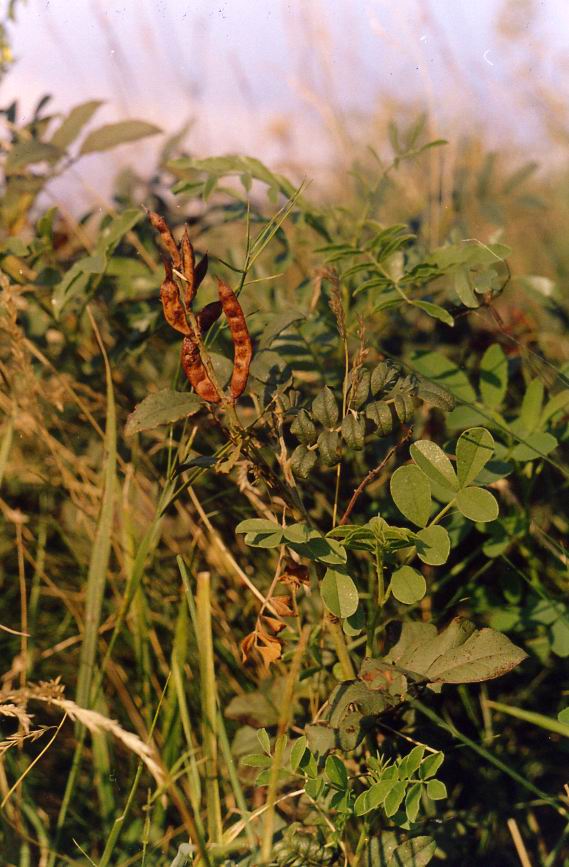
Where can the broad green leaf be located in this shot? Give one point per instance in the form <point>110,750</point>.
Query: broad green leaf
<point>477,504</point>
<point>435,310</point>
<point>339,593</point>
<point>531,406</point>
<point>264,539</point>
<point>113,134</point>
<point>258,525</point>
<point>408,585</point>
<point>435,395</point>
<point>435,367</point>
<point>484,655</point>
<point>299,533</point>
<point>463,288</point>
<point>411,762</point>
<point>558,403</point>
<point>394,799</point>
<point>436,790</point>
<point>72,125</point>
<point>474,449</point>
<point>27,153</point>
<point>430,765</point>
<point>297,752</point>
<point>563,716</point>
<point>257,760</point>
<point>415,852</point>
<point>325,408</point>
<point>336,772</point>
<point>560,637</point>
<point>436,542</point>
<point>377,793</point>
<point>534,445</point>
<point>162,407</point>
<point>434,463</point>
<point>411,494</point>
<point>493,376</point>
<point>413,801</point>
<point>278,322</point>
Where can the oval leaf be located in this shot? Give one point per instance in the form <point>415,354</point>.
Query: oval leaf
<point>477,504</point>
<point>435,546</point>
<point>339,593</point>
<point>493,376</point>
<point>411,494</point>
<point>408,585</point>
<point>113,134</point>
<point>474,449</point>
<point>434,463</point>
<point>163,407</point>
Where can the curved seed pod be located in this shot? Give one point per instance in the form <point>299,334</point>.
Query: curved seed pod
<point>161,226</point>
<point>208,315</point>
<point>242,344</point>
<point>195,371</point>
<point>188,267</point>
<point>201,270</point>
<point>174,313</point>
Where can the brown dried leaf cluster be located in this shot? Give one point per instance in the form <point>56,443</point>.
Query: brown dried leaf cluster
<point>181,262</point>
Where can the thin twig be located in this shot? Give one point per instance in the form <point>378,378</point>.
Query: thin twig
<point>373,474</point>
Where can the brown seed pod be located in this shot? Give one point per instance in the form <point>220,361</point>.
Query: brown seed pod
<point>161,226</point>
<point>242,345</point>
<point>171,305</point>
<point>195,371</point>
<point>208,315</point>
<point>188,267</point>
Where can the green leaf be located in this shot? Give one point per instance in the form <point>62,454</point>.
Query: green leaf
<point>70,128</point>
<point>336,772</point>
<point>463,288</point>
<point>436,542</point>
<point>413,801</point>
<point>162,407</point>
<point>535,445</point>
<point>411,494</point>
<point>563,716</point>
<point>325,408</point>
<point>304,428</point>
<point>435,367</point>
<point>558,403</point>
<point>264,539</point>
<point>408,585</point>
<point>435,311</point>
<point>394,799</point>
<point>432,393</point>
<point>353,432</point>
<point>382,374</point>
<point>493,376</point>
<point>257,760</point>
<point>474,449</point>
<point>430,765</point>
<point>477,504</point>
<point>557,726</point>
<point>297,752</point>
<point>278,322</point>
<point>416,852</point>
<point>484,655</point>
<point>109,136</point>
<point>264,740</point>
<point>531,406</point>
<point>359,391</point>
<point>27,153</point>
<point>302,462</point>
<point>339,593</point>
<point>436,790</point>
<point>434,463</point>
<point>258,525</point>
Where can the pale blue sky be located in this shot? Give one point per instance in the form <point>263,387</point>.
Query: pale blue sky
<point>241,69</point>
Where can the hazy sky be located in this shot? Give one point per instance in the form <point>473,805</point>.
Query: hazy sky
<point>277,77</point>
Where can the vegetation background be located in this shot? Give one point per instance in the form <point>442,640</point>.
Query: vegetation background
<point>108,670</point>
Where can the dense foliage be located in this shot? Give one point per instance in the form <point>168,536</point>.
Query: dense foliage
<point>255,625</point>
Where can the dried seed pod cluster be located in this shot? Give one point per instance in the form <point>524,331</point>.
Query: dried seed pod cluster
<point>378,401</point>
<point>176,304</point>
